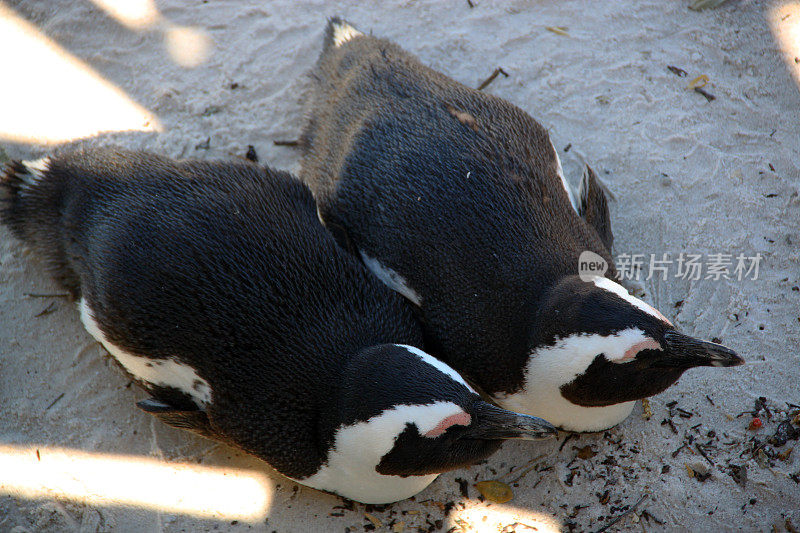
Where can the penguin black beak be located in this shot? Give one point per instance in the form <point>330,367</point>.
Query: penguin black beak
<point>494,423</point>
<point>683,351</point>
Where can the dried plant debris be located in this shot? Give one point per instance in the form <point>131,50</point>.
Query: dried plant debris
<point>738,473</point>
<point>708,96</point>
<point>647,410</point>
<point>603,466</point>
<point>681,74</point>
<point>211,110</point>
<point>623,515</point>
<point>58,398</point>
<point>251,154</point>
<point>558,30</point>
<point>279,142</point>
<point>463,487</point>
<point>205,145</point>
<point>765,450</point>
<point>787,430</point>
<point>491,78</point>
<point>586,452</point>
<point>374,519</point>
<point>699,5</point>
<point>46,311</point>
<point>700,81</point>
<point>495,491</point>
<point>698,470</point>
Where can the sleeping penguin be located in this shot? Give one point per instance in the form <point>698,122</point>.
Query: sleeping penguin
<point>456,200</point>
<point>216,288</point>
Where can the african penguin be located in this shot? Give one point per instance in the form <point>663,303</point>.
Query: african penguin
<point>217,289</point>
<point>456,199</point>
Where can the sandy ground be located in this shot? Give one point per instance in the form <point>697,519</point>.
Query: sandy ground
<point>689,175</point>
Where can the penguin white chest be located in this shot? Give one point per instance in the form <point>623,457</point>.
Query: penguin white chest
<point>547,402</point>
<point>551,367</point>
<point>350,469</point>
<point>159,372</point>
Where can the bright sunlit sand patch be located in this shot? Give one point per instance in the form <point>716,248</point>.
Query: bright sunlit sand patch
<point>496,519</point>
<point>785,24</point>
<point>49,96</point>
<point>188,47</point>
<point>104,479</point>
<point>135,14</point>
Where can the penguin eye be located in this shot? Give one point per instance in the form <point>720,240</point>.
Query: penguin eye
<point>458,419</point>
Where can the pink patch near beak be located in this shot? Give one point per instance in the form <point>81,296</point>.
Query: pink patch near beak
<point>631,352</point>
<point>461,419</point>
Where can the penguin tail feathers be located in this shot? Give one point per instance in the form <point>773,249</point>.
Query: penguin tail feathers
<point>31,199</point>
<point>338,32</point>
<point>20,185</point>
<point>326,72</point>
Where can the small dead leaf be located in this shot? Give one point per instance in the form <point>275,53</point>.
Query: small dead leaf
<point>647,411</point>
<point>699,82</point>
<point>761,458</point>
<point>699,471</point>
<point>586,452</point>
<point>739,474</point>
<point>784,455</point>
<point>375,521</point>
<point>495,491</point>
<point>398,527</point>
<point>558,30</point>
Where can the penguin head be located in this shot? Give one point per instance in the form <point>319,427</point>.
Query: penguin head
<point>404,417</point>
<point>601,346</point>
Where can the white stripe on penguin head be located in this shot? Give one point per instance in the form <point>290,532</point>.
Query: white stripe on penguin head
<point>619,290</point>
<point>438,365</point>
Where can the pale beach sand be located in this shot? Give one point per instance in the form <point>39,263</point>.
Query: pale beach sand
<point>689,175</point>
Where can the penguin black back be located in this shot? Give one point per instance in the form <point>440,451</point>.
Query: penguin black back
<point>216,287</point>
<point>176,254</point>
<point>457,200</point>
<point>427,152</point>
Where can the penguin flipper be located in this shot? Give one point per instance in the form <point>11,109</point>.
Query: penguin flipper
<point>195,420</point>
<point>593,206</point>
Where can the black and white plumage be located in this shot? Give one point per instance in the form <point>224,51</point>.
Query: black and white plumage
<point>457,200</point>
<point>217,289</point>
